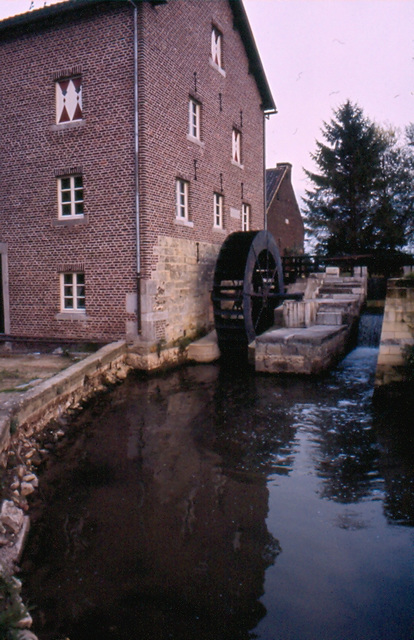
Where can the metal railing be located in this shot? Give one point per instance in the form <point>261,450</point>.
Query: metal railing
<point>383,265</point>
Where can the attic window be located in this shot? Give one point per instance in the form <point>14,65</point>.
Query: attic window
<point>216,47</point>
<point>194,113</point>
<point>68,99</point>
<point>236,147</point>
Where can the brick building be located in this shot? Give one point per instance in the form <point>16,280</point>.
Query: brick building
<point>131,144</point>
<point>284,219</point>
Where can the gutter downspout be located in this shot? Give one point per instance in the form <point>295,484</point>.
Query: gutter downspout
<point>264,173</point>
<point>266,115</point>
<point>136,151</point>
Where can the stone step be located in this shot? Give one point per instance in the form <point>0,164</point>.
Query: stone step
<point>329,318</point>
<point>325,289</point>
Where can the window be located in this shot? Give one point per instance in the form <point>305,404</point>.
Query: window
<point>194,112</point>
<point>181,200</point>
<point>216,47</point>
<point>69,100</point>
<point>245,217</point>
<point>72,291</point>
<point>70,195</point>
<point>236,146</point>
<point>218,211</point>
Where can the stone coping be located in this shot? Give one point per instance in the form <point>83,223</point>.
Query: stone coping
<point>315,335</point>
<point>28,407</point>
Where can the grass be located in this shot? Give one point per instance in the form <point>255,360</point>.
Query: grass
<point>11,608</point>
<point>9,374</point>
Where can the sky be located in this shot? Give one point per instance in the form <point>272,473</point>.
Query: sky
<point>316,55</point>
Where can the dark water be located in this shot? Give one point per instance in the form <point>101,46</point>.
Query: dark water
<point>217,505</point>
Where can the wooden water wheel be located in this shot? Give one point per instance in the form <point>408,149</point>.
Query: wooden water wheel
<point>248,286</point>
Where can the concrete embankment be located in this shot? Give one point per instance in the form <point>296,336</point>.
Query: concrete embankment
<point>51,398</point>
<point>22,417</point>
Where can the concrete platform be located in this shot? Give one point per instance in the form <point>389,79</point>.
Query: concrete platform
<point>316,335</point>
<point>310,350</point>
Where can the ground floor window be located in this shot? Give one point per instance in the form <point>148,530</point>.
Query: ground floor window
<point>72,286</point>
<point>181,200</point>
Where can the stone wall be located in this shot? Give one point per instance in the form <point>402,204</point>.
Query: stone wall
<point>176,300</point>
<point>397,331</point>
<point>284,220</point>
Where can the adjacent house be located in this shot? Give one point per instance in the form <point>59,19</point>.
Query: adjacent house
<point>131,145</point>
<point>284,220</point>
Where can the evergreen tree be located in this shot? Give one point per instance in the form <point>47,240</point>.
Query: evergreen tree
<point>363,194</point>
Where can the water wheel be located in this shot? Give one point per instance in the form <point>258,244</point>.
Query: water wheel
<point>248,285</point>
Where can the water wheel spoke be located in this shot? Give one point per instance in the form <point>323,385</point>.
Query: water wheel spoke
<point>257,322</point>
<point>272,295</point>
<point>257,270</point>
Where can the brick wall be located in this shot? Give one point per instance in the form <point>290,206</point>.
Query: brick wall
<point>174,51</point>
<point>284,220</point>
<point>182,54</point>
<point>33,151</point>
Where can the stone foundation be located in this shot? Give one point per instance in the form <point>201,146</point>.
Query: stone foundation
<point>175,302</point>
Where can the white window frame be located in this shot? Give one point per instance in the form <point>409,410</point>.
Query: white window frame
<point>218,211</point>
<point>236,147</point>
<point>72,292</point>
<point>194,119</point>
<point>245,217</point>
<point>71,100</point>
<point>182,211</point>
<point>217,47</point>
<point>70,197</point>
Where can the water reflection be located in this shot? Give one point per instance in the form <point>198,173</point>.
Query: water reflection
<point>346,451</point>
<point>147,523</point>
<point>169,505</point>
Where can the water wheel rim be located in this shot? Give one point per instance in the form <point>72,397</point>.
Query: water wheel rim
<point>263,284</point>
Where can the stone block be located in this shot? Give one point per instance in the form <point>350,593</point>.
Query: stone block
<point>329,317</point>
<point>332,271</point>
<point>204,350</point>
<point>131,303</point>
<point>11,516</point>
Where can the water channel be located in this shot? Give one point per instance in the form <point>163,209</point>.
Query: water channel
<point>215,504</point>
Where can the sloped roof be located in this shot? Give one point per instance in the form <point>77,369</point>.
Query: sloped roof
<point>49,12</point>
<point>241,22</point>
<point>274,179</point>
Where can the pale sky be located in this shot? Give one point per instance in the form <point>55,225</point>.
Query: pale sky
<point>316,55</point>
